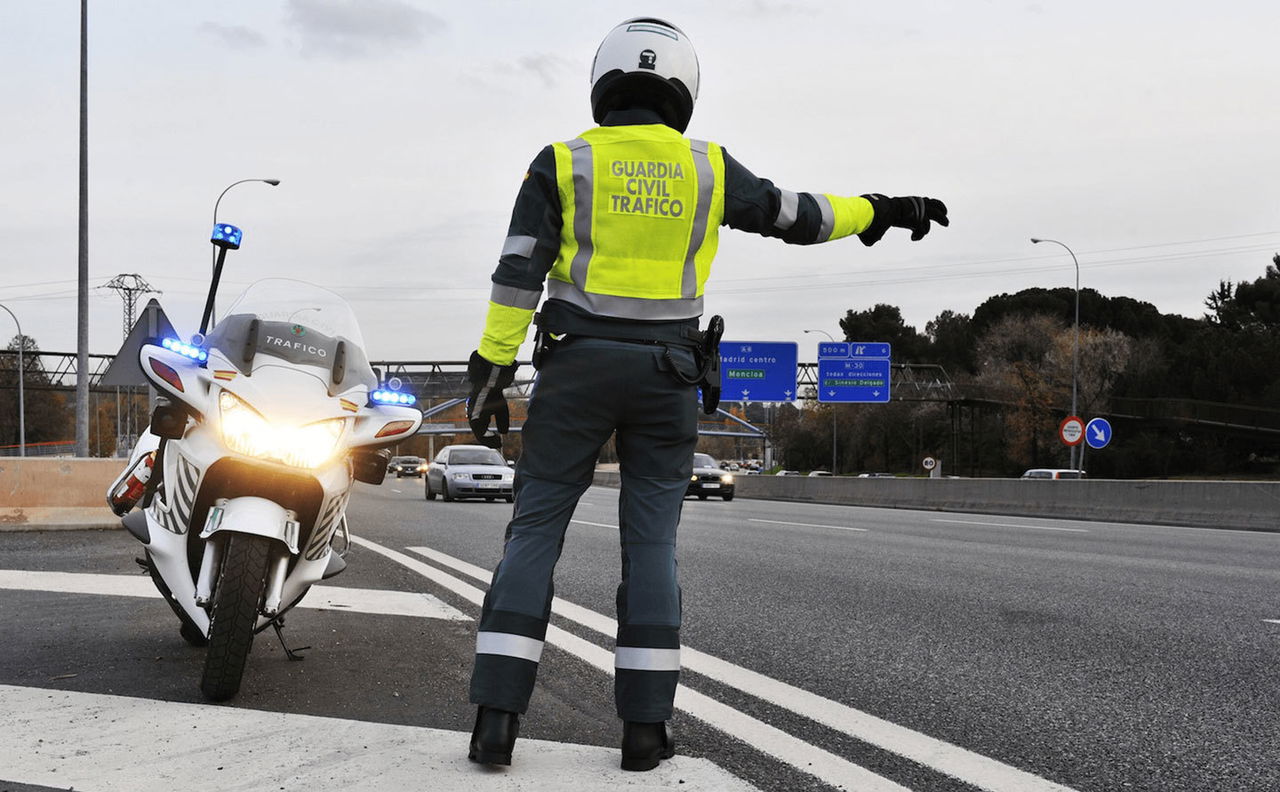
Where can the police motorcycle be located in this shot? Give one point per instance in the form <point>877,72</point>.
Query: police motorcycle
<point>243,476</point>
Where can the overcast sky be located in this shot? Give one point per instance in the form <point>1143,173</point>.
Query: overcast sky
<point>1145,135</point>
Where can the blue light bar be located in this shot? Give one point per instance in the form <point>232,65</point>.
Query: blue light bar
<point>227,236</point>
<point>391,397</point>
<point>193,352</point>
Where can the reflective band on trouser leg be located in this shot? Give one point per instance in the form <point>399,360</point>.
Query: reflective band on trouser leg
<point>706,187</point>
<point>642,658</point>
<point>828,217</point>
<point>788,210</point>
<point>496,643</point>
<point>583,195</point>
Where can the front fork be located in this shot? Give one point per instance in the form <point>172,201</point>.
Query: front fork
<point>277,570</point>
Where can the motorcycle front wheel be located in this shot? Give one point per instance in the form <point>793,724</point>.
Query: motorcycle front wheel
<point>234,613</point>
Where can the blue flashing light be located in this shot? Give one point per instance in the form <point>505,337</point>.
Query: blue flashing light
<point>391,397</point>
<point>193,352</point>
<point>227,236</point>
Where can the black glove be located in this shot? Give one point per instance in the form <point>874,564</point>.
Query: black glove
<point>912,212</point>
<point>486,400</point>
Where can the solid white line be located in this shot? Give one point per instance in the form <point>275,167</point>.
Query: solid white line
<point>970,767</point>
<point>807,525</point>
<point>825,766</point>
<point>66,739</point>
<point>595,524</point>
<point>1013,525</point>
<point>1272,621</point>
<point>321,597</point>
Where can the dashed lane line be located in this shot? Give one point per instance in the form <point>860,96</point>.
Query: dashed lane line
<point>767,739</point>
<point>321,597</point>
<point>807,525</point>
<point>1013,525</point>
<point>972,768</point>
<point>107,743</point>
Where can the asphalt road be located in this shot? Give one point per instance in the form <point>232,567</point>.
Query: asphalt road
<point>825,646</point>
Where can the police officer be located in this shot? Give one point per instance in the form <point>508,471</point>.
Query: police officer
<point>620,224</point>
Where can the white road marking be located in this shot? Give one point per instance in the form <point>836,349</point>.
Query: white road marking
<point>1013,525</point>
<point>396,491</point>
<point>826,766</point>
<point>1272,621</point>
<point>584,503</point>
<point>806,525</point>
<point>110,743</point>
<point>970,767</point>
<point>595,524</point>
<point>321,597</point>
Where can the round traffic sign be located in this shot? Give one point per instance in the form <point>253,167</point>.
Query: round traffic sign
<point>929,463</point>
<point>1071,430</point>
<point>1098,433</point>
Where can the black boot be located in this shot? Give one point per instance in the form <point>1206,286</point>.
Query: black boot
<point>494,736</point>
<point>645,744</point>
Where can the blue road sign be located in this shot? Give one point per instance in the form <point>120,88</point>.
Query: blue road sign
<point>1097,433</point>
<point>854,372</point>
<point>758,371</point>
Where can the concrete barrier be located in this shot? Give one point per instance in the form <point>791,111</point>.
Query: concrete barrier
<point>42,494</point>
<point>1248,505</point>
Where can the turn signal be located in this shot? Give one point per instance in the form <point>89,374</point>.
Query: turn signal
<point>167,374</point>
<point>394,428</point>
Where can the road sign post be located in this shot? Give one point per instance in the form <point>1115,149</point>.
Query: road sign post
<point>758,371</point>
<point>854,372</point>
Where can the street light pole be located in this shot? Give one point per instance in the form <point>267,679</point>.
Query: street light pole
<point>22,407</point>
<point>833,409</point>
<point>1075,352</point>
<point>272,182</point>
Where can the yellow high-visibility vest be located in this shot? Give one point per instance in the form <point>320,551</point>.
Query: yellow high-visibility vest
<point>642,207</point>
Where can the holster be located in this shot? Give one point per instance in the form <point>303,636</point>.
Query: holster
<point>710,366</point>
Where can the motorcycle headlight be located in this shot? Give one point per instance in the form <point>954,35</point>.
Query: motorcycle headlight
<point>246,432</point>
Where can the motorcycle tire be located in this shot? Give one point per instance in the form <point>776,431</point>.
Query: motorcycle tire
<point>234,614</point>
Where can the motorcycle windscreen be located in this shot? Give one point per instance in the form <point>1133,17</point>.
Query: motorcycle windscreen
<point>297,322</point>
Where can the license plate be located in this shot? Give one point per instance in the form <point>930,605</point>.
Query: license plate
<point>711,486</point>
<point>484,485</point>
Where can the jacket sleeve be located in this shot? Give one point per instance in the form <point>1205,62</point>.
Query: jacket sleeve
<point>799,218</point>
<point>533,241</point>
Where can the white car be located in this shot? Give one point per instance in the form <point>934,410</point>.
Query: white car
<point>469,471</point>
<point>1053,473</point>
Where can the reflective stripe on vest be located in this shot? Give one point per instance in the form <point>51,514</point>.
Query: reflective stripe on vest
<point>642,209</point>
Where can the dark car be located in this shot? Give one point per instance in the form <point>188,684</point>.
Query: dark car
<point>407,466</point>
<point>469,471</point>
<point>708,479</point>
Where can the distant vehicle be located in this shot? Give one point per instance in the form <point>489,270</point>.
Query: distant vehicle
<point>407,466</point>
<point>876,475</point>
<point>788,473</point>
<point>820,474</point>
<point>1054,473</point>
<point>469,471</point>
<point>708,479</point>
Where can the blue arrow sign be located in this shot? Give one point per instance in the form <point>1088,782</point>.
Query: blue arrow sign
<point>1097,433</point>
<point>854,372</point>
<point>758,371</point>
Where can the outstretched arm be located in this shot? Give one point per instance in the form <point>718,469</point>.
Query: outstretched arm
<point>800,218</point>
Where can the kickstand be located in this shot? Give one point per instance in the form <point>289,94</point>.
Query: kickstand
<point>144,563</point>
<point>293,654</point>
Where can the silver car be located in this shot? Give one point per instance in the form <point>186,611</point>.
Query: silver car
<point>469,471</point>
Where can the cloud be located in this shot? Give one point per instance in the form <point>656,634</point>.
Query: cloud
<point>235,36</point>
<point>359,28</point>
<point>546,66</point>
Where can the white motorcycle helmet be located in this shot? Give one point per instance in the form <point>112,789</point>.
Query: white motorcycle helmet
<point>646,62</point>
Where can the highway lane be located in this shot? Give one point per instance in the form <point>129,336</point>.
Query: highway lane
<point>1099,656</point>
<point>1093,656</point>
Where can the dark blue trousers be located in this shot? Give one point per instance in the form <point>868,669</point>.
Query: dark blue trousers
<point>588,390</point>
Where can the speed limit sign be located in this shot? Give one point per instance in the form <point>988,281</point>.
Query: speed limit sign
<point>929,463</point>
